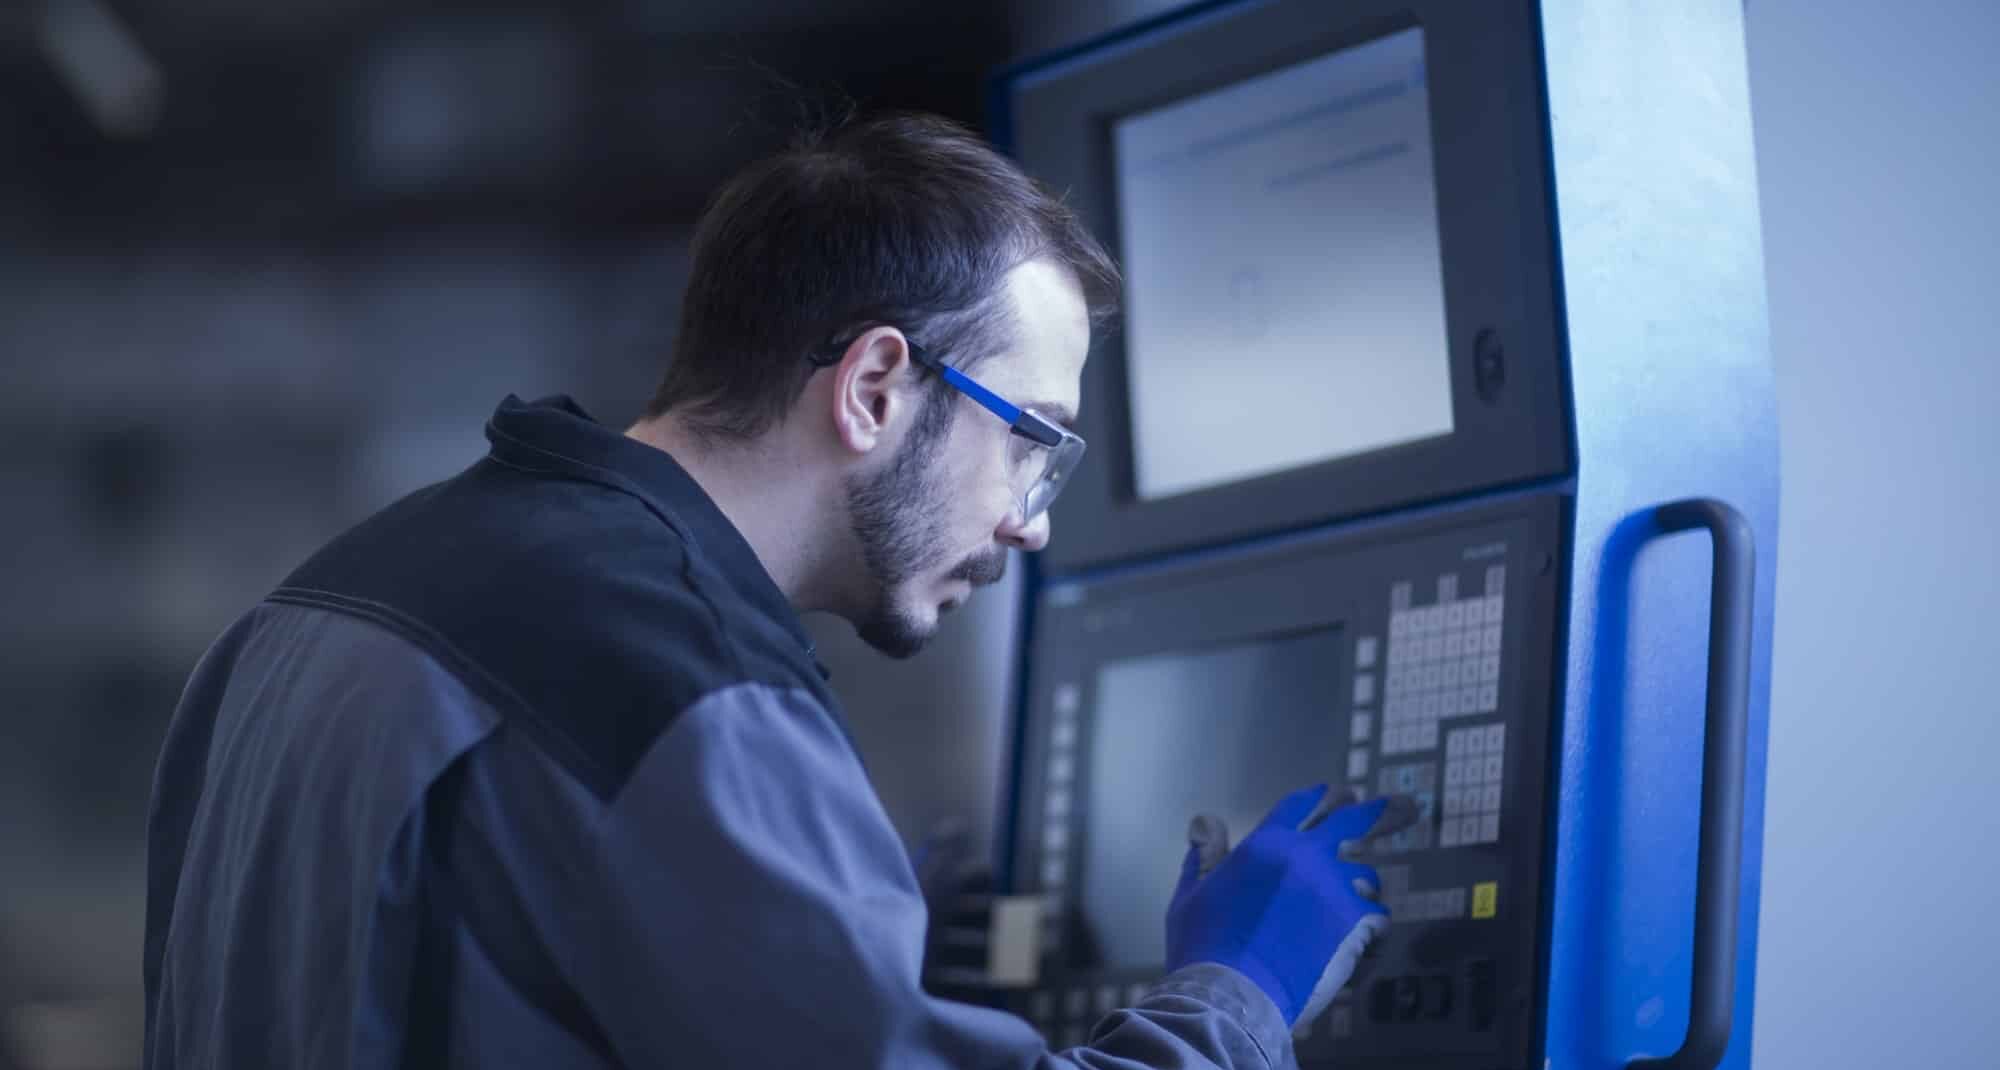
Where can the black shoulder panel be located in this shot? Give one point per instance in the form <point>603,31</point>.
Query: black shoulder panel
<point>572,604</point>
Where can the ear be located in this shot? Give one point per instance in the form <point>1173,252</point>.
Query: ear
<point>871,395</point>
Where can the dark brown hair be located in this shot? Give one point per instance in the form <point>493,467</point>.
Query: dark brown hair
<point>905,220</point>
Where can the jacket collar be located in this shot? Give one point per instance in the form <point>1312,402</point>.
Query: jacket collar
<point>557,430</point>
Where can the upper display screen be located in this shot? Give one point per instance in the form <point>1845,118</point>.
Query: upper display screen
<point>1284,291</point>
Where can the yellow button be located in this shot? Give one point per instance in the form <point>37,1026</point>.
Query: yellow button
<point>1486,899</point>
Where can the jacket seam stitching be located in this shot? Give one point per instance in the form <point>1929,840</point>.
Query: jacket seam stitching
<point>453,660</point>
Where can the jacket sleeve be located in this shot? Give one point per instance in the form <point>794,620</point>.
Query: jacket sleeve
<point>744,901</point>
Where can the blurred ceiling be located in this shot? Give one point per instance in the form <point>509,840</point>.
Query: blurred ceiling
<point>336,119</point>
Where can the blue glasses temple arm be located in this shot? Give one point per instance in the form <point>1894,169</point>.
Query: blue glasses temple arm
<point>992,402</point>
<point>1031,426</point>
<point>1025,423</point>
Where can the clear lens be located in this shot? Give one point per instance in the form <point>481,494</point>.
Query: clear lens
<point>1062,460</point>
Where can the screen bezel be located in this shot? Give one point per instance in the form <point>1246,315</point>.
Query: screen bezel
<point>1115,188</point>
<point>1489,147</point>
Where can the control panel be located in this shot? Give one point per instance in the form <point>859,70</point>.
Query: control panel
<point>1416,663</point>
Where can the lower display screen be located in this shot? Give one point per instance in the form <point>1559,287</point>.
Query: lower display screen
<point>1226,731</point>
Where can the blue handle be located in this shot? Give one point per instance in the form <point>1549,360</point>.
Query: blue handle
<point>1718,871</point>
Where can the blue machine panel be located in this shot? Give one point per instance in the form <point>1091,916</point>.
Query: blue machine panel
<point>1659,654</point>
<point>1670,372</point>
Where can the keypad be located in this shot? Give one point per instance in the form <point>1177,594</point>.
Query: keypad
<point>1474,768</point>
<point>1431,904</point>
<point>1443,662</point>
<point>1419,781</point>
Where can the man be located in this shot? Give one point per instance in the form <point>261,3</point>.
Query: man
<point>536,767</point>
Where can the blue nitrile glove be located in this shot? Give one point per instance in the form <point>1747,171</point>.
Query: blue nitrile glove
<point>1282,909</point>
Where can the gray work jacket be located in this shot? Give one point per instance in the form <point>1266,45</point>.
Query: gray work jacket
<point>536,768</point>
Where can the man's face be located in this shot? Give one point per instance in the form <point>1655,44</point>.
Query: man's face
<point>937,520</point>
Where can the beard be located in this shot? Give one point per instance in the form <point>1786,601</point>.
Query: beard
<point>898,521</point>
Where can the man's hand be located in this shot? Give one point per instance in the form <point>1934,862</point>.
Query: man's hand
<point>1282,909</point>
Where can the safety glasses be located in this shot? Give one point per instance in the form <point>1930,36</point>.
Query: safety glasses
<point>1049,453</point>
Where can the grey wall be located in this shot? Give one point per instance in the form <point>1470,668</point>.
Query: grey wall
<point>1878,146</point>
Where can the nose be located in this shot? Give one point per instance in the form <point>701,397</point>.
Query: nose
<point>1030,536</point>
